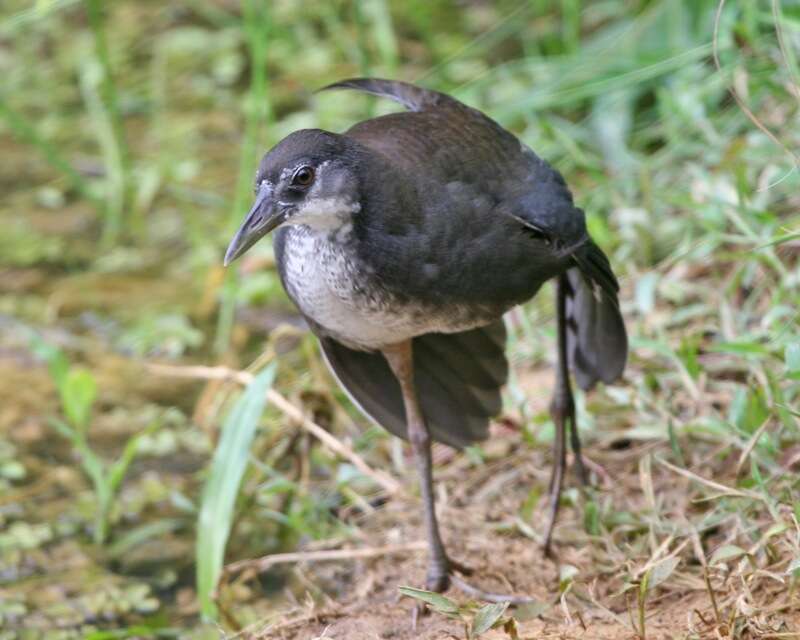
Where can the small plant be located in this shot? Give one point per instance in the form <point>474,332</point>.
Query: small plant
<point>77,390</point>
<point>652,576</point>
<point>476,620</point>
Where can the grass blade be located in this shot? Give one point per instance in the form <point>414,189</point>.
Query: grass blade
<point>222,486</point>
<point>440,603</point>
<point>257,26</point>
<point>111,131</point>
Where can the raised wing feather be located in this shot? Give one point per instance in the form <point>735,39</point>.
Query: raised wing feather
<point>458,377</point>
<point>410,96</point>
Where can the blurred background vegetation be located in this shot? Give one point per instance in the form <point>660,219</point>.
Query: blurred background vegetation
<point>129,136</point>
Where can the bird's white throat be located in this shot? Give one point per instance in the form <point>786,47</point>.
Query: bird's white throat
<point>325,214</point>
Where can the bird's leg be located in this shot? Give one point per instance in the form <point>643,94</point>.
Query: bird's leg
<point>562,411</point>
<point>440,566</point>
<point>400,359</point>
<point>557,475</point>
<point>575,442</point>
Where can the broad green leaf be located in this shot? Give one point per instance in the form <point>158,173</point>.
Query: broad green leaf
<point>748,409</point>
<point>726,552</point>
<point>77,397</point>
<point>591,519</point>
<point>222,486</point>
<point>792,357</point>
<point>439,602</point>
<point>57,362</point>
<point>660,571</point>
<point>531,610</point>
<point>486,617</point>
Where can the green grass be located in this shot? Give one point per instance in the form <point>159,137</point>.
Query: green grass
<point>130,134</point>
<point>258,32</point>
<point>219,495</point>
<point>77,391</point>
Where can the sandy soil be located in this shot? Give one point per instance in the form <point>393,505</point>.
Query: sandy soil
<point>359,599</point>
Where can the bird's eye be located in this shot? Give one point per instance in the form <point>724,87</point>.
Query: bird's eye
<point>303,177</point>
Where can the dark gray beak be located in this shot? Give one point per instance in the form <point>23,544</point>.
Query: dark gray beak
<point>263,218</point>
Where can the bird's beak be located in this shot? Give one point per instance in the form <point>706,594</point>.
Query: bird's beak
<point>263,218</point>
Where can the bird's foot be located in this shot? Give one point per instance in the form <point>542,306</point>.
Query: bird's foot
<point>443,575</point>
<point>487,596</point>
<point>440,574</point>
<point>579,466</point>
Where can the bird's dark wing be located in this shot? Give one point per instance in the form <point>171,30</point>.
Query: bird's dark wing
<point>462,147</point>
<point>597,340</point>
<point>410,96</point>
<point>492,177</point>
<point>597,343</point>
<point>541,201</point>
<point>458,377</point>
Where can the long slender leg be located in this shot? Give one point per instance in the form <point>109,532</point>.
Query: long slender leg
<point>556,477</point>
<point>400,359</point>
<point>575,442</point>
<point>562,411</point>
<point>440,566</point>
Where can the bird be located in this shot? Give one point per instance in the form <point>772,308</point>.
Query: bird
<point>402,242</point>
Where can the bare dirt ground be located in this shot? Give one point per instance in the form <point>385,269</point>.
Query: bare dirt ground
<point>699,586</point>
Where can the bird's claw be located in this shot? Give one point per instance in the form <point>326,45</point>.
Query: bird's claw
<point>439,574</point>
<point>579,467</point>
<point>442,576</point>
<point>463,569</point>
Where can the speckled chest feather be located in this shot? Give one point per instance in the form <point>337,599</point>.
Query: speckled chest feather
<point>344,297</point>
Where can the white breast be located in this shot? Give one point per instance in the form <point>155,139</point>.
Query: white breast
<point>327,287</point>
<point>330,288</point>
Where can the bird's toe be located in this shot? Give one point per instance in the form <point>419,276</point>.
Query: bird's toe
<point>437,581</point>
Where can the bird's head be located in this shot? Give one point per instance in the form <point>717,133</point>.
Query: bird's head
<point>309,178</point>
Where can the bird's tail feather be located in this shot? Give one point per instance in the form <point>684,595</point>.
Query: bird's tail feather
<point>458,377</point>
<point>597,343</point>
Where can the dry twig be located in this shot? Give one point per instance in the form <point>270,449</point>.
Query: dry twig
<point>262,564</point>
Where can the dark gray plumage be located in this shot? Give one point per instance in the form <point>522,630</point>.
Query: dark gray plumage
<point>404,240</point>
<point>458,375</point>
<point>596,338</point>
